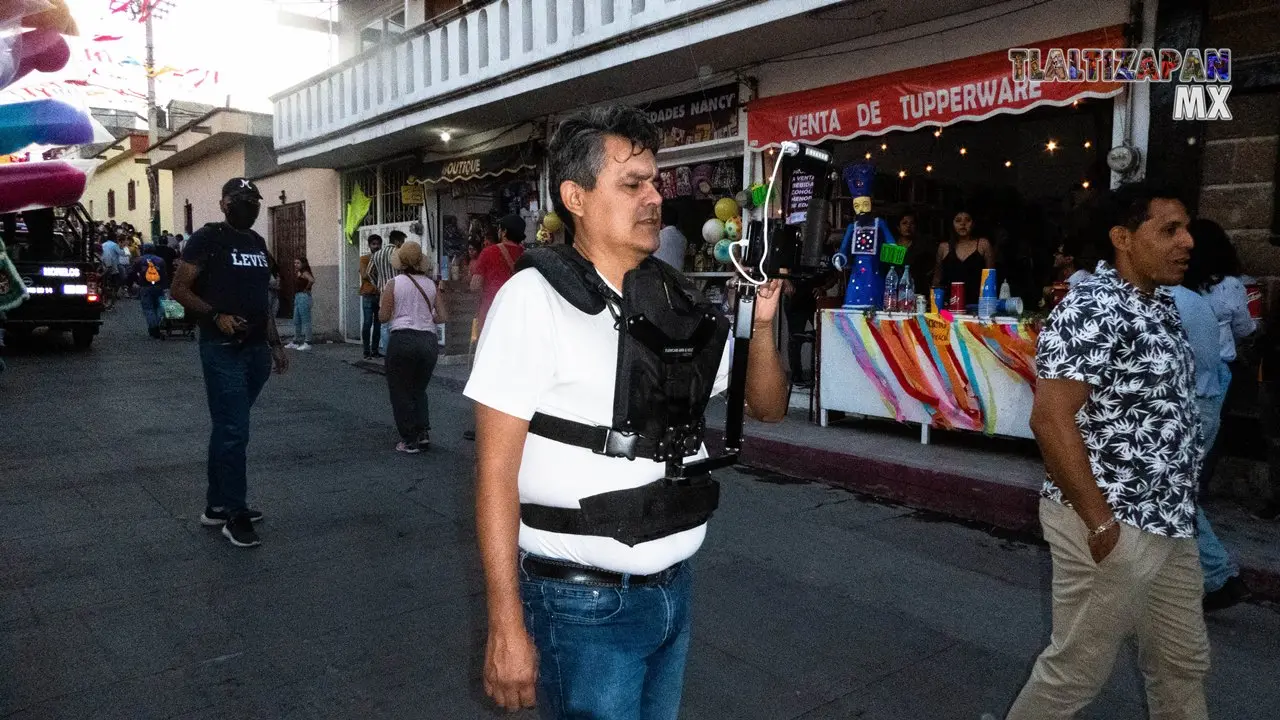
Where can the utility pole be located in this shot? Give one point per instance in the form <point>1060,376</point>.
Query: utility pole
<point>153,132</point>
<point>145,10</point>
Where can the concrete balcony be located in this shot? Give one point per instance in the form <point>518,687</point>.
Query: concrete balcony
<point>514,60</point>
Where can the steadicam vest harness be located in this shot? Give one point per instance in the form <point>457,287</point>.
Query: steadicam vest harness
<point>670,342</point>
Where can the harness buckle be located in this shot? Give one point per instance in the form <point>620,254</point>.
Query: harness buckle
<point>619,444</point>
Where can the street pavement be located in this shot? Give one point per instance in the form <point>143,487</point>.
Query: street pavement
<point>365,600</point>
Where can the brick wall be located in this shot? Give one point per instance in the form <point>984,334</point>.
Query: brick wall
<point>1240,155</point>
<point>1239,163</point>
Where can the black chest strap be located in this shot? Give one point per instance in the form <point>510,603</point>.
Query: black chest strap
<point>682,442</point>
<point>635,515</point>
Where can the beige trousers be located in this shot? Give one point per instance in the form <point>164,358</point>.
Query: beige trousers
<point>1150,586</point>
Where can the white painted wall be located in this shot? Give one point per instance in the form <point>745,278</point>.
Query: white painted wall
<point>201,184</point>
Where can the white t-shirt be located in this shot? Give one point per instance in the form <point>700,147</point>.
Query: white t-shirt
<point>671,247</point>
<point>1230,304</point>
<point>538,353</point>
<point>1078,276</point>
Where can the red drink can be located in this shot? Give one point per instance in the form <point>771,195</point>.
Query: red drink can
<point>1253,294</point>
<point>957,297</point>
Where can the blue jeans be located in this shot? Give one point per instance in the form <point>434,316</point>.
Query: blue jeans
<point>385,339</point>
<point>233,377</point>
<point>370,326</point>
<point>302,317</point>
<point>150,296</point>
<point>607,653</point>
<point>1214,559</point>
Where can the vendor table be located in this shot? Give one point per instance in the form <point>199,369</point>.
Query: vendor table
<point>944,371</point>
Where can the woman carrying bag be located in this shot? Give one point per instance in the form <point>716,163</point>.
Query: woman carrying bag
<point>409,307</point>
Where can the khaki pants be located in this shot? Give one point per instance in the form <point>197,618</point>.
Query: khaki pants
<point>1150,586</point>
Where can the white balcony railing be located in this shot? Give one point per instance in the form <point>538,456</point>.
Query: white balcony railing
<point>479,47</point>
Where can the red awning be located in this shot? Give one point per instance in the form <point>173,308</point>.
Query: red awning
<point>937,95</point>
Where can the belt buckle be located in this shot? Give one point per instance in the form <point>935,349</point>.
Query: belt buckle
<point>619,444</point>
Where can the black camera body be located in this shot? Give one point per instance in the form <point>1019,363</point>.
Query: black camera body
<point>796,239</point>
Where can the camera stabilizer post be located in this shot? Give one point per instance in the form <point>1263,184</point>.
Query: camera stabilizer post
<point>791,247</point>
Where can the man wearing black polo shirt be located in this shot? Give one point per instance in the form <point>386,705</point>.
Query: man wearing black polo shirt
<point>223,280</point>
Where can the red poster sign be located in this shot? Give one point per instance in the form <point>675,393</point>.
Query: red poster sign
<point>970,89</point>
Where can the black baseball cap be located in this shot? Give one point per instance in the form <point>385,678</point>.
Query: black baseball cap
<point>514,225</point>
<point>240,186</point>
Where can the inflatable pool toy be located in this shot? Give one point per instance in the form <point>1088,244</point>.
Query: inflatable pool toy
<point>42,50</point>
<point>40,184</point>
<point>43,122</point>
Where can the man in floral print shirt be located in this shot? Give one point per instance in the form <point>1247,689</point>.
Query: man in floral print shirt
<point>1116,420</point>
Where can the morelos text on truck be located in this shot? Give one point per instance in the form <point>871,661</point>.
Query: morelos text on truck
<point>52,249</point>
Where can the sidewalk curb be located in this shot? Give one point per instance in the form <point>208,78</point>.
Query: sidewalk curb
<point>1006,507</point>
<point>966,498</point>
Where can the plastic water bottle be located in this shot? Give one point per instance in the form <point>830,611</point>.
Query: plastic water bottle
<point>906,291</point>
<point>891,290</point>
<point>1005,293</point>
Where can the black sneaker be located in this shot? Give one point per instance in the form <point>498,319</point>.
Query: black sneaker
<point>216,517</point>
<point>239,530</point>
<point>424,441</point>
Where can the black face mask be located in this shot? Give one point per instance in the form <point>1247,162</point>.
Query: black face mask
<point>241,214</point>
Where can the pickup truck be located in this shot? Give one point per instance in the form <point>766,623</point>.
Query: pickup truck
<point>52,249</point>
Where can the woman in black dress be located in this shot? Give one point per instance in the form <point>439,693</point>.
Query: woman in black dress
<point>963,258</point>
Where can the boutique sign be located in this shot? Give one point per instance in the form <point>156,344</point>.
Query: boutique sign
<point>492,163</point>
<point>969,89</point>
<point>711,114</point>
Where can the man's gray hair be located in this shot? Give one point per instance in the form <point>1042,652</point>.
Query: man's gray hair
<point>577,149</point>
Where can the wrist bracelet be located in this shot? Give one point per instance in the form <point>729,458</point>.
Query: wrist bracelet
<point>1102,528</point>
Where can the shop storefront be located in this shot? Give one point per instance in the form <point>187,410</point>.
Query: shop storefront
<point>700,162</point>
<point>462,196</point>
<point>965,135</point>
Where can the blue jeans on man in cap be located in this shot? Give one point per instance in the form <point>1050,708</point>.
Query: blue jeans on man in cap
<point>234,375</point>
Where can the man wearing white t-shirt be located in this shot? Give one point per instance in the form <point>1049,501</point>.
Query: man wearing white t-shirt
<point>610,621</point>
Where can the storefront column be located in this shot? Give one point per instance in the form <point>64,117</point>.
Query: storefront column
<point>1179,144</point>
<point>1132,109</point>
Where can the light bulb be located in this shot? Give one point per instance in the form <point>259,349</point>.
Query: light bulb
<point>1008,163</point>
<point>964,151</point>
<point>902,173</point>
<point>445,136</point>
<point>937,133</point>
<point>1085,184</point>
<point>884,146</point>
<point>928,168</point>
<point>1051,145</point>
<point>867,156</point>
<point>1088,144</point>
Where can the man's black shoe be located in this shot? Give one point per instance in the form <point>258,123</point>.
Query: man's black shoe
<point>239,530</point>
<point>215,517</point>
<point>1232,592</point>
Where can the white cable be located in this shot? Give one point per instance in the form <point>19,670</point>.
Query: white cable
<point>788,148</point>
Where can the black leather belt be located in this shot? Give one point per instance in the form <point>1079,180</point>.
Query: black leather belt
<point>584,575</point>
